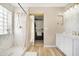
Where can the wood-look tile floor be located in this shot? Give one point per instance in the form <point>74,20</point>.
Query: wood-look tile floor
<point>44,51</point>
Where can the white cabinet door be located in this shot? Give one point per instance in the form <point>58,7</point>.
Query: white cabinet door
<point>58,41</point>
<point>76,47</point>
<point>68,46</point>
<point>62,43</point>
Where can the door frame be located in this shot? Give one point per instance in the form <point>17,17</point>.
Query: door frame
<point>36,14</point>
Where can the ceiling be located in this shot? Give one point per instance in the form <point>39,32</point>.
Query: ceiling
<point>40,4</point>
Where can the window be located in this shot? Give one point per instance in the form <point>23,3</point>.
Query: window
<point>5,17</point>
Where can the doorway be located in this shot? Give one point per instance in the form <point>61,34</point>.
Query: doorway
<point>38,29</point>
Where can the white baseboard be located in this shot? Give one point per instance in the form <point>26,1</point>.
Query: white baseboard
<point>49,45</point>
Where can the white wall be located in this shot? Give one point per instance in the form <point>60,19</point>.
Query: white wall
<point>6,41</point>
<point>71,19</point>
<point>19,33</point>
<point>50,15</point>
<point>22,35</point>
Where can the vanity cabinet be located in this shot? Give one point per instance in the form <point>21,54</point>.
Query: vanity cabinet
<point>68,45</point>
